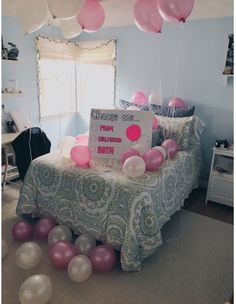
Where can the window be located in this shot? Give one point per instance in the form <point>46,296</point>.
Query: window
<point>75,77</point>
<point>95,84</point>
<point>57,84</point>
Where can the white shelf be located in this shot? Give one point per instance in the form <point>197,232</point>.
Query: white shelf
<point>224,152</point>
<point>12,94</point>
<point>225,176</point>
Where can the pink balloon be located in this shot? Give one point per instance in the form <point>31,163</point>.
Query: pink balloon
<point>22,231</point>
<point>162,150</point>
<point>147,16</point>
<point>42,228</point>
<point>81,155</point>
<point>171,147</point>
<point>82,139</point>
<point>61,252</point>
<point>139,98</point>
<point>154,123</point>
<point>128,153</point>
<point>153,159</point>
<point>92,16</point>
<point>175,10</point>
<point>177,103</point>
<point>103,258</point>
<point>133,132</point>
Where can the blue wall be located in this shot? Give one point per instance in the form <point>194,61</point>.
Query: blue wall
<point>25,71</point>
<point>143,62</point>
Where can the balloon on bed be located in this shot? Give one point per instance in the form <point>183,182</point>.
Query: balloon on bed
<point>81,155</point>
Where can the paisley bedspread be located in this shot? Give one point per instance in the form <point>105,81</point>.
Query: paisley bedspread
<point>125,212</point>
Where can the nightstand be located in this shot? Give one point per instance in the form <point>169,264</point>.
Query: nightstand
<point>221,180</point>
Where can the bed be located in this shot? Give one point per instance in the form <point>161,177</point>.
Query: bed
<point>127,213</point>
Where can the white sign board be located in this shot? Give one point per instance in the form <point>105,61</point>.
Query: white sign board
<point>114,131</point>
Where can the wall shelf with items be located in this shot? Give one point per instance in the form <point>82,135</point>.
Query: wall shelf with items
<point>12,94</point>
<point>10,61</point>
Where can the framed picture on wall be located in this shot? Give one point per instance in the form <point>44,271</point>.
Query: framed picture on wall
<point>229,65</point>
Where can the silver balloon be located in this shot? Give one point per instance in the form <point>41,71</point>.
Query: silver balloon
<point>85,242</point>
<point>4,248</point>
<point>134,166</point>
<point>59,233</point>
<point>28,255</point>
<point>79,268</point>
<point>37,289</point>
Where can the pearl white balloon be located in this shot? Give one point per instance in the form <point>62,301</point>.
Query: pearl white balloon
<point>59,233</point>
<point>79,268</point>
<point>4,248</point>
<point>140,148</point>
<point>85,242</point>
<point>133,108</point>
<point>32,15</point>
<point>37,289</point>
<point>64,9</point>
<point>162,150</point>
<point>28,255</point>
<point>153,98</point>
<point>70,28</point>
<point>134,166</point>
<point>65,145</point>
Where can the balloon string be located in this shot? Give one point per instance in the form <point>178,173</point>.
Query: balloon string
<point>160,69</point>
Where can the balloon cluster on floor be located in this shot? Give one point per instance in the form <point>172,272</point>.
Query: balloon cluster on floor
<point>80,257</point>
<point>76,16</point>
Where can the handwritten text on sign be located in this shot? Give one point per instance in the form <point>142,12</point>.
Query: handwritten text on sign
<point>114,131</point>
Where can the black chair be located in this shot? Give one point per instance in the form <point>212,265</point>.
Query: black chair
<point>28,145</point>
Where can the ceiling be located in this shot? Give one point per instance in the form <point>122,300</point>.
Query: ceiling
<point>120,12</point>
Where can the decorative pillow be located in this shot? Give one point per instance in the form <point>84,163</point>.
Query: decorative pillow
<point>179,128</point>
<point>157,137</point>
<point>125,104</point>
<point>172,112</point>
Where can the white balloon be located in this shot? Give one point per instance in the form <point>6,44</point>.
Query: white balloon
<point>59,233</point>
<point>28,255</point>
<point>140,148</point>
<point>64,9</point>
<point>79,268</point>
<point>154,98</point>
<point>162,150</point>
<point>133,108</point>
<point>66,144</point>
<point>85,242</point>
<point>4,248</point>
<point>32,14</point>
<point>37,289</point>
<point>134,166</point>
<point>70,28</point>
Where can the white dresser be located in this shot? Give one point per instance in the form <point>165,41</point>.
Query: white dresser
<point>221,180</point>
